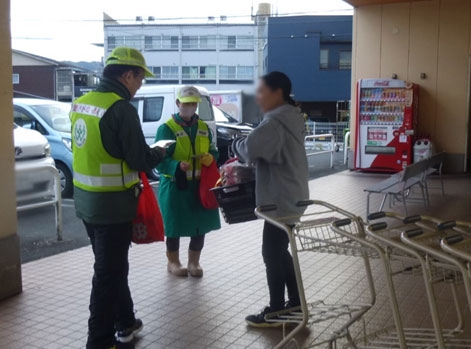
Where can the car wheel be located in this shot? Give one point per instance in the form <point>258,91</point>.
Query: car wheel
<point>65,175</point>
<point>153,175</point>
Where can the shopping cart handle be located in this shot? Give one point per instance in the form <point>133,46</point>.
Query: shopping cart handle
<point>454,239</point>
<point>376,215</point>
<point>412,219</point>
<point>446,225</point>
<point>304,203</point>
<point>378,226</point>
<point>342,222</point>
<point>265,208</point>
<point>412,233</point>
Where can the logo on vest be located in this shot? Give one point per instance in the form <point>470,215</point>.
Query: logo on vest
<point>80,133</point>
<point>139,231</point>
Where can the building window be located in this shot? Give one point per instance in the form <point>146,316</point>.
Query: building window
<point>170,42</point>
<point>16,79</point>
<point>189,42</point>
<point>232,42</point>
<point>324,59</point>
<point>208,42</point>
<point>152,42</point>
<point>241,42</point>
<point>134,41</point>
<point>236,72</point>
<point>345,60</point>
<point>170,73</point>
<point>245,42</point>
<point>196,73</point>
<point>165,73</point>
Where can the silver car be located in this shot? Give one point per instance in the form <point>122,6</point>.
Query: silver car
<point>32,153</point>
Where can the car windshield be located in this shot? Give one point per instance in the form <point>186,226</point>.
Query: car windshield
<point>222,116</point>
<point>56,115</point>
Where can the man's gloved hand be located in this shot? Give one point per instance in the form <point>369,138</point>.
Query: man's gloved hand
<point>207,159</point>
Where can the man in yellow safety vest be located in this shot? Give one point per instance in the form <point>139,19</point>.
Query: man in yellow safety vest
<point>109,149</point>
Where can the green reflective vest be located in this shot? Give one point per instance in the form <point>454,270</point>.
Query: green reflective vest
<point>186,151</point>
<point>95,169</point>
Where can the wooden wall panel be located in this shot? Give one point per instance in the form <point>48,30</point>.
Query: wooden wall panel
<point>366,50</point>
<point>452,75</point>
<point>423,58</point>
<point>395,40</point>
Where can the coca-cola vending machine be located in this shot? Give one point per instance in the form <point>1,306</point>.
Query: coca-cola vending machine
<point>386,119</point>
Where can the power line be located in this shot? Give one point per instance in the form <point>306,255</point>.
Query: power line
<point>203,18</point>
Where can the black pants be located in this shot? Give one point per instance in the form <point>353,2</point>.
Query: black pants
<point>279,267</point>
<point>196,243</point>
<point>111,305</point>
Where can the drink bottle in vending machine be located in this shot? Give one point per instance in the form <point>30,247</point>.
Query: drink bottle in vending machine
<point>385,123</point>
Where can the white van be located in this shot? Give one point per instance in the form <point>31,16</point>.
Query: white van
<point>156,104</point>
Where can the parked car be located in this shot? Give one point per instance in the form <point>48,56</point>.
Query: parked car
<point>155,105</point>
<point>51,119</point>
<point>227,128</point>
<point>32,151</point>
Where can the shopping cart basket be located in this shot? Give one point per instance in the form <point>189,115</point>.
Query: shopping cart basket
<point>399,237</point>
<point>312,232</point>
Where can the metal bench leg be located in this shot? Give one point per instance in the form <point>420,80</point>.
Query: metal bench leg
<point>441,184</point>
<point>383,201</point>
<point>423,189</point>
<point>368,205</point>
<point>404,202</point>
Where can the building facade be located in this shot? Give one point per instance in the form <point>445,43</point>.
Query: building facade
<point>36,76</point>
<point>315,52</point>
<point>216,55</point>
<point>428,43</point>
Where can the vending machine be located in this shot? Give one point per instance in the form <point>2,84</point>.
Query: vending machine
<point>385,122</point>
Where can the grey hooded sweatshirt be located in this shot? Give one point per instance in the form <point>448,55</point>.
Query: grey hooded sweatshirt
<point>276,147</point>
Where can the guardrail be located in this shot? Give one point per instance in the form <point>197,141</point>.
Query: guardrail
<point>56,201</point>
<point>346,142</point>
<point>331,150</point>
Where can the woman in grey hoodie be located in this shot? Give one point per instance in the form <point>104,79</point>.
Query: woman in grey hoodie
<point>276,147</point>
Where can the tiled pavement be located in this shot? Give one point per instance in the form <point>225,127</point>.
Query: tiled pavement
<point>209,312</point>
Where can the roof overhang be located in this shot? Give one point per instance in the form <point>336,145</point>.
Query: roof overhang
<point>359,3</point>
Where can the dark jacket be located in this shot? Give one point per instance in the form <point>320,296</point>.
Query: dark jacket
<point>122,138</point>
<point>276,147</point>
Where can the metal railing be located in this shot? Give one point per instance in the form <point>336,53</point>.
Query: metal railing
<point>55,201</point>
<point>321,151</point>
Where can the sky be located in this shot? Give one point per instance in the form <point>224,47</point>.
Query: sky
<point>66,30</point>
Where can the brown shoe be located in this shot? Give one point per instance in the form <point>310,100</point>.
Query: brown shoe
<point>174,266</point>
<point>194,267</point>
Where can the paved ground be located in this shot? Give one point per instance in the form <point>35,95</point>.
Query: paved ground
<point>209,312</point>
<point>36,227</point>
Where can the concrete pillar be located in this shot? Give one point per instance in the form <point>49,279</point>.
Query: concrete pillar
<point>10,263</point>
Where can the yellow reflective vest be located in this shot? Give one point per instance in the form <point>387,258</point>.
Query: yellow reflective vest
<point>186,151</point>
<point>95,169</point>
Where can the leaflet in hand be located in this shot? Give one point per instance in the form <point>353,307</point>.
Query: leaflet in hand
<point>164,143</point>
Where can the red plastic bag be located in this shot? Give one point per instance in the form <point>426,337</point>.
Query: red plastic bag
<point>148,226</point>
<point>209,178</point>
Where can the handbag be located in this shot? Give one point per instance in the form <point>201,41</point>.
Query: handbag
<point>209,179</point>
<point>148,226</point>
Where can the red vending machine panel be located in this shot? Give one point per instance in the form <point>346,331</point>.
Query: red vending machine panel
<point>385,124</point>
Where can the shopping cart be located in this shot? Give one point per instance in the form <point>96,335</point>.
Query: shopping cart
<point>413,243</point>
<point>312,232</point>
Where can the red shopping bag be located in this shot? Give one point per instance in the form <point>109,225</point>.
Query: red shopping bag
<point>148,226</point>
<point>209,178</point>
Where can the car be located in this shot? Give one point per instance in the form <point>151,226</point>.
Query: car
<point>155,105</point>
<point>227,128</point>
<point>51,119</point>
<point>32,152</point>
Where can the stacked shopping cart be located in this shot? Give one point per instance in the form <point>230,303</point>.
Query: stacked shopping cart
<point>425,247</point>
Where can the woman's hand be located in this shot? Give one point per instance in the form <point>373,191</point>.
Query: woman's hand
<point>184,166</point>
<point>207,159</point>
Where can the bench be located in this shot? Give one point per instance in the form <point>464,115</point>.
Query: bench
<point>398,186</point>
